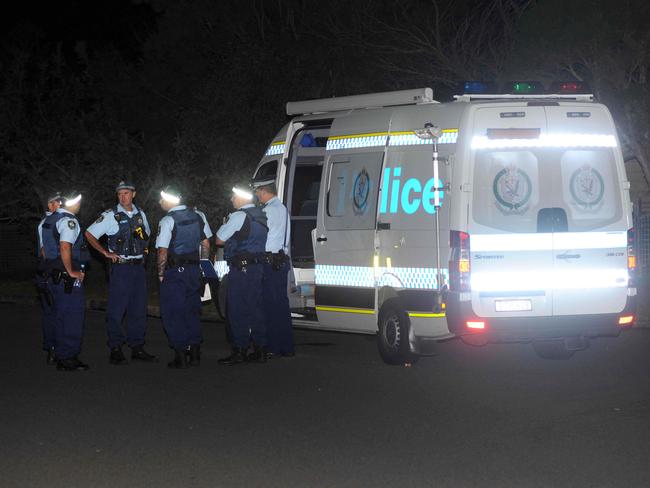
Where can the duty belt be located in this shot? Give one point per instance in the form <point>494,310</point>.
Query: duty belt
<point>130,261</point>
<point>174,262</point>
<point>242,261</point>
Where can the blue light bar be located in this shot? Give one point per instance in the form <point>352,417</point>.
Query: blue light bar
<point>478,88</point>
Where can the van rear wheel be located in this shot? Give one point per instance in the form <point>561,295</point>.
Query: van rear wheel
<point>556,349</point>
<point>393,335</point>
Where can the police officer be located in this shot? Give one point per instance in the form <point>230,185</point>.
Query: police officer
<point>45,294</point>
<point>276,269</point>
<point>66,256</point>
<point>181,242</point>
<point>244,238</point>
<point>128,233</point>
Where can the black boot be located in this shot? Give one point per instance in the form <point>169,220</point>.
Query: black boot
<point>179,361</point>
<point>237,356</point>
<point>117,356</point>
<point>193,354</point>
<point>258,355</point>
<point>51,358</point>
<point>138,353</point>
<point>71,364</point>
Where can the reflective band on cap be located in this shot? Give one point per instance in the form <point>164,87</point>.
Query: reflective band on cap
<point>73,201</point>
<point>170,198</point>
<point>242,193</point>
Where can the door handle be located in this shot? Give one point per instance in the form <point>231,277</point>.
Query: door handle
<point>383,225</point>
<point>321,239</point>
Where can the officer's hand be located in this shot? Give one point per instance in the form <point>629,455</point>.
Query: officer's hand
<point>78,275</point>
<point>112,256</point>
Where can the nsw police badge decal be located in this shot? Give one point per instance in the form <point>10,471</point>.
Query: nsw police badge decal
<point>360,192</point>
<point>72,224</point>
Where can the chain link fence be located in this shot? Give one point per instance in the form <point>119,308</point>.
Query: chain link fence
<point>642,226</point>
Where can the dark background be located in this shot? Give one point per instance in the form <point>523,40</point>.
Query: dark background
<point>192,92</point>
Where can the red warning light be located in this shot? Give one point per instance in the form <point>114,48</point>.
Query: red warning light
<point>475,324</point>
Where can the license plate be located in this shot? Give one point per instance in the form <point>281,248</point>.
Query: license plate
<point>513,305</point>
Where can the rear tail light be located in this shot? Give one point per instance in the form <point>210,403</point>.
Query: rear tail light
<point>475,324</point>
<point>626,320</point>
<point>459,264</point>
<point>631,257</point>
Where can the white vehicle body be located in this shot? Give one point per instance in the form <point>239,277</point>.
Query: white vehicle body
<point>537,183</point>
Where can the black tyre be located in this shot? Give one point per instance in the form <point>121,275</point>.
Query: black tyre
<point>393,335</point>
<point>552,349</point>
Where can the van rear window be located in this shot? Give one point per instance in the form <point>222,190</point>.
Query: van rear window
<point>512,188</point>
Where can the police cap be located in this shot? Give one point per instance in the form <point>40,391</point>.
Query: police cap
<point>260,181</point>
<point>71,198</point>
<point>55,197</point>
<point>125,185</point>
<point>242,191</point>
<point>171,194</point>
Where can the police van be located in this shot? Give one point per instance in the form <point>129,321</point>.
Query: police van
<point>500,216</point>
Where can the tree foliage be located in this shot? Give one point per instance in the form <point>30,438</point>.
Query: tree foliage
<point>603,42</point>
<point>192,91</point>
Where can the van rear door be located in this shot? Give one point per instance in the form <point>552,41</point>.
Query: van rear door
<point>510,259</point>
<point>590,260</point>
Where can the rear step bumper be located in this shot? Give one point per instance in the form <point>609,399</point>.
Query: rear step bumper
<point>516,329</point>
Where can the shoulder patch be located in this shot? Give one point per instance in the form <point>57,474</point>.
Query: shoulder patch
<point>72,224</point>
<point>99,219</point>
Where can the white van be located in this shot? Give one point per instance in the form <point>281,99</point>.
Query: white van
<point>490,218</point>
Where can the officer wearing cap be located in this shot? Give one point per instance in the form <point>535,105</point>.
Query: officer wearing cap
<point>127,231</point>
<point>244,237</point>
<point>45,294</point>
<point>181,242</point>
<point>276,269</point>
<point>65,255</point>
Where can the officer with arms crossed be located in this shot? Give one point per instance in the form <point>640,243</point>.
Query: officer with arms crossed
<point>276,269</point>
<point>65,260</point>
<point>181,242</point>
<point>244,238</point>
<point>128,237</point>
<point>44,292</point>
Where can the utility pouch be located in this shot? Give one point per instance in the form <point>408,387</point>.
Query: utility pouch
<point>68,283</point>
<point>279,260</point>
<point>56,276</point>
